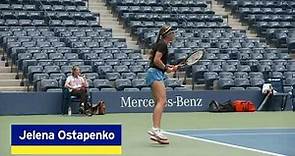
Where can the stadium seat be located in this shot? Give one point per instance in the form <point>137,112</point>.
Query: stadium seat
<point>51,69</point>
<point>244,68</point>
<point>56,56</point>
<point>120,56</point>
<point>121,84</point>
<point>237,88</point>
<point>128,75</point>
<point>289,82</point>
<point>172,83</point>
<point>46,62</point>
<point>91,76</point>
<point>85,69</point>
<point>113,76</point>
<point>226,75</point>
<point>229,68</point>
<point>37,77</point>
<point>289,75</point>
<point>225,83</point>
<point>253,88</point>
<point>57,76</point>
<point>215,68</point>
<point>137,69</point>
<point>276,75</point>
<point>71,56</point>
<point>241,75</point>
<point>102,70</point>
<point>112,62</point>
<point>209,77</point>
<point>121,69</point>
<point>146,89</point>
<point>108,89</point>
<point>34,69</point>
<point>131,90</point>
<point>257,82</point>
<point>182,89</point>
<point>102,83</point>
<point>242,82</point>
<point>139,83</point>
<point>54,90</point>
<point>47,83</point>
<point>141,75</point>
<point>256,75</point>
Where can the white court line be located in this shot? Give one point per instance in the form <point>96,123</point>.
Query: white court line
<point>224,144</point>
<point>239,134</point>
<point>233,129</point>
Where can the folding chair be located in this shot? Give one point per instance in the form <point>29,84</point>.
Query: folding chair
<point>293,98</point>
<point>278,87</point>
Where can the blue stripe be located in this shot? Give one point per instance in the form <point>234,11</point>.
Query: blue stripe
<point>110,134</point>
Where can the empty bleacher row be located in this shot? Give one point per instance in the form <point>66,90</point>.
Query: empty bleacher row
<point>46,2</point>
<point>143,16</point>
<point>231,59</point>
<point>44,13</point>
<point>38,6</point>
<point>274,20</point>
<point>51,52</point>
<point>45,53</point>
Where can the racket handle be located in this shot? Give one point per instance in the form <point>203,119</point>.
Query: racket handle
<point>264,101</point>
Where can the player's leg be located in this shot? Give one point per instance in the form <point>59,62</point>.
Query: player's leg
<point>159,95</point>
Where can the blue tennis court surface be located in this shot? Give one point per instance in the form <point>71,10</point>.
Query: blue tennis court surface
<point>268,141</point>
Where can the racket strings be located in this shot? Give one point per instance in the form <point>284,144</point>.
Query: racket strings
<point>193,58</point>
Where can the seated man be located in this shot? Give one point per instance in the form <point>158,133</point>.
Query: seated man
<point>77,85</point>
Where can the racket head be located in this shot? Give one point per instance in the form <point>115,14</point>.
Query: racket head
<point>194,57</point>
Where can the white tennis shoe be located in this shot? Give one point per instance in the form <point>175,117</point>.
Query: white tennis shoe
<point>157,135</point>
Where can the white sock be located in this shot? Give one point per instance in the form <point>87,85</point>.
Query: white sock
<point>155,129</point>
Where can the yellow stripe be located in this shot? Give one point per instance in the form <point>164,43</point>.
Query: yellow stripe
<point>66,150</point>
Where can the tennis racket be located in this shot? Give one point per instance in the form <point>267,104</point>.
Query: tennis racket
<point>192,58</point>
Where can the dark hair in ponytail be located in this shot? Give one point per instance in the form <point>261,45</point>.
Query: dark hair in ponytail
<point>163,31</point>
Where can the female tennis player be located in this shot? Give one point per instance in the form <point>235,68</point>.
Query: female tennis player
<point>155,77</point>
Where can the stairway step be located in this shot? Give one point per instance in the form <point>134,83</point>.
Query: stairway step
<point>102,10</point>
<point>132,43</point>
<point>12,89</point>
<point>120,36</point>
<point>97,3</point>
<point>232,21</point>
<point>7,75</point>
<point>108,24</point>
<point>9,82</point>
<point>107,20</point>
<point>2,63</point>
<point>102,14</point>
<point>5,69</point>
<point>116,27</point>
<point>130,46</point>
